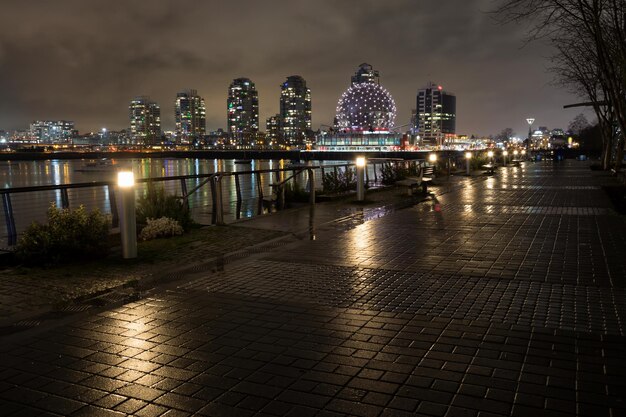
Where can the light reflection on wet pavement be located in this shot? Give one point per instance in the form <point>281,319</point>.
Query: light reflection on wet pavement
<point>495,296</point>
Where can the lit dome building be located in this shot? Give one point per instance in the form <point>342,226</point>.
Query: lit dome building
<point>366,107</point>
<point>365,117</point>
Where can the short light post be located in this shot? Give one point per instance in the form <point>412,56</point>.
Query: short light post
<point>468,157</point>
<point>490,156</point>
<point>360,178</point>
<point>523,153</point>
<point>432,159</point>
<point>505,153</point>
<point>128,223</point>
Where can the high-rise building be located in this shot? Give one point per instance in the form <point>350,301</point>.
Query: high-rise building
<point>52,131</point>
<point>272,127</point>
<point>243,111</point>
<point>366,74</point>
<point>436,114</point>
<point>145,121</point>
<point>190,114</point>
<point>295,111</point>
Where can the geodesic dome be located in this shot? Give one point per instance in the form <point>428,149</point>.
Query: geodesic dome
<point>366,106</point>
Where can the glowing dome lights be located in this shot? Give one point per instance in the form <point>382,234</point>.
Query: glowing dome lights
<point>366,107</point>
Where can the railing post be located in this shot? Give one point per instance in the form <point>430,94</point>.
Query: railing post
<point>375,174</point>
<point>65,198</point>
<point>115,218</point>
<point>219,208</point>
<point>183,188</point>
<point>311,174</point>
<point>9,219</point>
<point>238,192</point>
<point>259,187</point>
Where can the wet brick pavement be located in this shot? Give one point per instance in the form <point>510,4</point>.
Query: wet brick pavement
<point>499,296</point>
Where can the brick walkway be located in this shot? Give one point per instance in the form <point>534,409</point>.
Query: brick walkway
<point>501,296</point>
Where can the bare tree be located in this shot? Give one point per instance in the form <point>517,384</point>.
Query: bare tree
<point>589,35</point>
<point>505,135</point>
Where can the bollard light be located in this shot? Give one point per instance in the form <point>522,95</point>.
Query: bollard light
<point>505,153</point>
<point>432,158</point>
<point>125,179</point>
<point>490,154</point>
<point>128,223</point>
<point>523,151</point>
<point>360,178</point>
<point>468,156</point>
<point>515,152</point>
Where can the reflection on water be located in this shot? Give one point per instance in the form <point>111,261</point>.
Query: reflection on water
<point>28,207</point>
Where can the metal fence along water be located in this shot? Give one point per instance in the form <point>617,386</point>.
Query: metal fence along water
<point>219,197</point>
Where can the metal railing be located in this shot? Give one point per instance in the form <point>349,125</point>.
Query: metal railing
<point>215,198</point>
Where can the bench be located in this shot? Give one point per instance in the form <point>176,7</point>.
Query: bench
<point>412,183</point>
<point>489,168</point>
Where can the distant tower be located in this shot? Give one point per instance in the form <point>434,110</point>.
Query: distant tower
<point>272,127</point>
<point>436,114</point>
<point>190,115</point>
<point>243,111</point>
<point>366,74</point>
<point>295,111</point>
<point>145,121</point>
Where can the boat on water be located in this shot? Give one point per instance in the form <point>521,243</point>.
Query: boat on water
<point>100,165</point>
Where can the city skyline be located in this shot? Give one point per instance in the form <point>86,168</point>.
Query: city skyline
<point>498,83</point>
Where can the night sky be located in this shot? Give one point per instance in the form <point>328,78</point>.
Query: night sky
<point>84,60</point>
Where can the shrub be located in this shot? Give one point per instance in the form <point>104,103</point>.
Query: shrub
<point>392,172</point>
<point>155,204</point>
<point>68,234</point>
<point>161,227</point>
<point>294,193</point>
<point>339,181</point>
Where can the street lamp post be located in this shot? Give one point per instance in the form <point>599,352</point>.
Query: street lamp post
<point>505,153</point>
<point>530,122</point>
<point>468,156</point>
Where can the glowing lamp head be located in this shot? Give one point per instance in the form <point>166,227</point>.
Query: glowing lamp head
<point>360,162</point>
<point>468,155</point>
<point>523,151</point>
<point>125,179</point>
<point>515,152</point>
<point>432,157</point>
<point>505,153</point>
<point>490,154</point>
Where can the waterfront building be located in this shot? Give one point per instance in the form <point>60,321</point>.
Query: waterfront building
<point>145,121</point>
<point>190,117</point>
<point>52,131</point>
<point>295,112</point>
<point>436,115</point>
<point>243,111</point>
<point>365,117</point>
<point>272,128</point>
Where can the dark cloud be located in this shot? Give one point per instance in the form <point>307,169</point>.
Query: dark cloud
<point>85,60</point>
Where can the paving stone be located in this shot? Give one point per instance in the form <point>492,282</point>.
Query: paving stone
<point>499,296</point>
